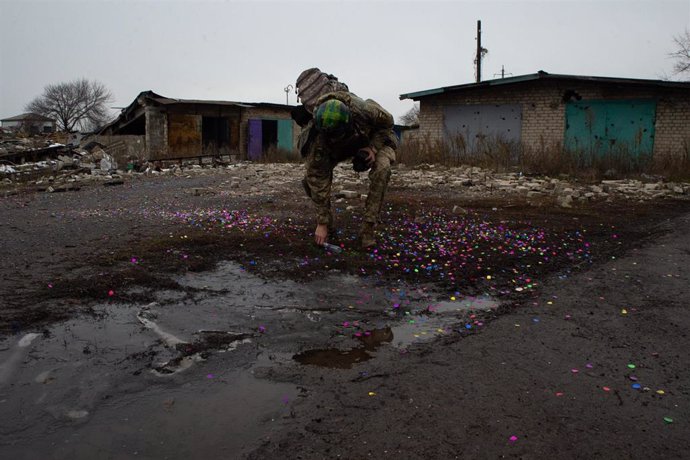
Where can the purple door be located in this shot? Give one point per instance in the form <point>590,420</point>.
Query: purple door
<point>255,143</point>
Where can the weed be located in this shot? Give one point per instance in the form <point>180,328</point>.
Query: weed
<point>551,159</point>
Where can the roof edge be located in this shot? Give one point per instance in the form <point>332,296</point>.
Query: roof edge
<point>542,75</point>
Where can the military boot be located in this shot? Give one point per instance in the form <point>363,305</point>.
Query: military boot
<point>366,235</point>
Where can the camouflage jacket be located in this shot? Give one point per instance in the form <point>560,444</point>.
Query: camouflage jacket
<point>372,126</point>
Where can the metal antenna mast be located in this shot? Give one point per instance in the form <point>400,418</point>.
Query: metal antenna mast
<point>503,72</point>
<point>287,90</point>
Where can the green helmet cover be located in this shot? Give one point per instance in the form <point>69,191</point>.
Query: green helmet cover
<point>332,116</point>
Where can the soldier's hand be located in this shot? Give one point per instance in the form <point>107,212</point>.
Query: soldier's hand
<point>321,234</point>
<point>371,155</point>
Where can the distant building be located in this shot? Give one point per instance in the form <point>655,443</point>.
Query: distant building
<point>31,123</point>
<point>155,127</point>
<point>595,115</point>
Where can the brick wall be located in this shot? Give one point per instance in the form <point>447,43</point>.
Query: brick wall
<point>672,126</point>
<point>543,110</point>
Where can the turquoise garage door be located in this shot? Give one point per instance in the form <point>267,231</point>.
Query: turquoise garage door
<point>602,127</point>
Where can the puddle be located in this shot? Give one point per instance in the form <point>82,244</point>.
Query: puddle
<point>442,318</point>
<point>16,356</point>
<point>334,358</point>
<point>436,320</point>
<point>209,417</point>
<point>92,383</point>
<point>344,359</point>
<point>465,304</point>
<point>173,378</point>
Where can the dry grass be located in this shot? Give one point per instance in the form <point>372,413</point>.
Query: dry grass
<point>546,159</point>
<point>277,155</point>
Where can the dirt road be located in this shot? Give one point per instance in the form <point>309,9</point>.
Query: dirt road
<point>186,317</point>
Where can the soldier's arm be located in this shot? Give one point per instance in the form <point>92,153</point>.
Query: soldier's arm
<point>380,123</point>
<point>319,180</point>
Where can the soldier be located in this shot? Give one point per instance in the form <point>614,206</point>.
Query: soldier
<point>342,126</point>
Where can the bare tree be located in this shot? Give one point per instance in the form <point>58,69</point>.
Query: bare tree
<point>411,117</point>
<point>682,53</point>
<point>77,104</point>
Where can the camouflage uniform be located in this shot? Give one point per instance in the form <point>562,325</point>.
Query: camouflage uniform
<point>372,126</point>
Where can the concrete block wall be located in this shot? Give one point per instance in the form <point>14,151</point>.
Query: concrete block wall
<point>543,115</point>
<point>123,147</point>
<point>672,136</point>
<point>543,111</point>
<point>156,132</point>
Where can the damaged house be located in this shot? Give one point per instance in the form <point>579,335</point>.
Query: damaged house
<point>157,128</point>
<point>31,123</point>
<point>542,111</point>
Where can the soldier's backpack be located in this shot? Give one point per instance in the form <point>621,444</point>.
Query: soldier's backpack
<point>312,83</point>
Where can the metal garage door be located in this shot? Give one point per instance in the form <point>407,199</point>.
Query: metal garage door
<point>285,135</point>
<point>615,126</point>
<point>473,128</point>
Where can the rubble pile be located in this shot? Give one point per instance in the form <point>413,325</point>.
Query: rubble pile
<point>249,178</point>
<point>42,159</point>
<point>564,191</point>
<point>92,164</point>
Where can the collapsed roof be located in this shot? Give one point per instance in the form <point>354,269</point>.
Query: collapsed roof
<point>132,118</point>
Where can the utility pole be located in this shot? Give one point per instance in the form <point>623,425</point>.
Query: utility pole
<point>478,58</point>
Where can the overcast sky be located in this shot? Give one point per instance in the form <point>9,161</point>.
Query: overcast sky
<point>249,51</point>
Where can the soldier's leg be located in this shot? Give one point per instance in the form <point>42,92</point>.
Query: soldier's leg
<point>379,176</point>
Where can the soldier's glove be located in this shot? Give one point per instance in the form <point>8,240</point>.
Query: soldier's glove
<point>301,116</point>
<point>360,161</point>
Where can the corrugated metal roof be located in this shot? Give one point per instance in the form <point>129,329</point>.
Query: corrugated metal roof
<point>167,101</point>
<point>144,96</point>
<point>541,75</point>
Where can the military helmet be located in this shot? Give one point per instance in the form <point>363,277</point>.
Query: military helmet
<point>332,116</point>
<point>313,83</point>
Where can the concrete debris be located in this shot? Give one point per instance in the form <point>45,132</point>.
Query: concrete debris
<point>565,201</point>
<point>201,191</point>
<point>347,194</point>
<point>69,168</point>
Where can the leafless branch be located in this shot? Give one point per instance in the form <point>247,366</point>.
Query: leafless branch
<point>79,103</point>
<point>682,53</point>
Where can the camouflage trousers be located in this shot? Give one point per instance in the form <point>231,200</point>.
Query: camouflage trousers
<point>319,179</point>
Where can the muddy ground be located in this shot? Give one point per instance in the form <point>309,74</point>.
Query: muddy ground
<point>180,317</point>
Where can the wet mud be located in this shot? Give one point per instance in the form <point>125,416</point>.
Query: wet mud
<point>144,322</point>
